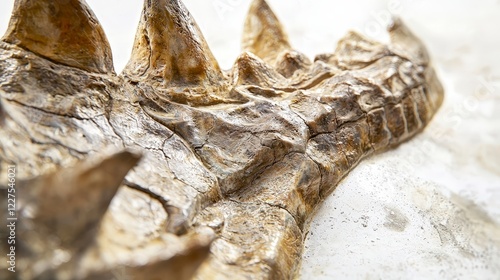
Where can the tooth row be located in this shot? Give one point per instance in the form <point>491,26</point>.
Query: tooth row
<point>169,45</point>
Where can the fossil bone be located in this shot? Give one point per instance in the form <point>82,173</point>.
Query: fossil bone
<point>234,162</point>
<point>169,46</point>
<point>67,206</point>
<point>263,34</point>
<point>66,32</point>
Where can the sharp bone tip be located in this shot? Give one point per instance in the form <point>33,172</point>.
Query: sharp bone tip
<point>394,24</point>
<point>259,3</point>
<point>128,156</point>
<point>54,35</point>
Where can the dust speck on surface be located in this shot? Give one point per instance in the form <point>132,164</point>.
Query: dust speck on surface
<point>395,220</point>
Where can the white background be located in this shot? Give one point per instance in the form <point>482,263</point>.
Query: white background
<point>428,209</point>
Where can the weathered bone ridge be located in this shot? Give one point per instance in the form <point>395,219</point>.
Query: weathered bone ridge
<point>233,163</point>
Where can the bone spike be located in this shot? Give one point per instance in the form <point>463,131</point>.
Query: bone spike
<point>70,203</point>
<point>178,259</point>
<point>263,34</point>
<point>169,46</point>
<point>406,44</point>
<point>251,70</point>
<point>66,32</point>
<point>289,62</point>
<point>183,266</point>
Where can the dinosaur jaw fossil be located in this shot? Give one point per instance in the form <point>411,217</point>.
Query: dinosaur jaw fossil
<point>233,163</point>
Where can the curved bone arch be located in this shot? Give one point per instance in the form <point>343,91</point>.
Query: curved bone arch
<point>233,163</point>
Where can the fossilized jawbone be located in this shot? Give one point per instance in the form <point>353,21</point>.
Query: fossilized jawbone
<point>233,162</point>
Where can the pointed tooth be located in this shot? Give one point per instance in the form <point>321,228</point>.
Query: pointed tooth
<point>263,34</point>
<point>66,32</point>
<point>406,44</point>
<point>170,47</point>
<point>289,62</point>
<point>70,203</point>
<point>178,259</point>
<point>251,70</point>
<point>182,266</point>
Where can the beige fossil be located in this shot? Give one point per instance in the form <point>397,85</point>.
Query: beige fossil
<point>233,163</point>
